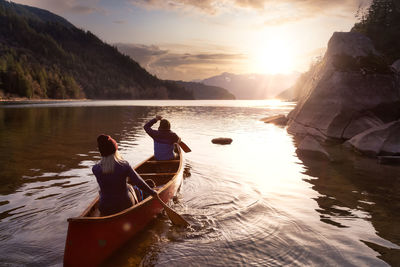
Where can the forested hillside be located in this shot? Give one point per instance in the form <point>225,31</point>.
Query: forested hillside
<point>381,22</point>
<point>42,55</point>
<point>202,91</point>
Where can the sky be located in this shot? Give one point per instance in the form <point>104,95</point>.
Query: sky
<point>197,39</point>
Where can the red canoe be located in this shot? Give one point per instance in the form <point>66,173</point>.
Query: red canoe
<point>91,239</point>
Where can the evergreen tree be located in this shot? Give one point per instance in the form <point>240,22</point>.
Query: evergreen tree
<point>381,23</point>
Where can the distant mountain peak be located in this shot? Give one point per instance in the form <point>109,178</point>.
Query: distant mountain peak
<point>253,85</point>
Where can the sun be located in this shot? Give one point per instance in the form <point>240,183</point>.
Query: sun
<point>273,56</point>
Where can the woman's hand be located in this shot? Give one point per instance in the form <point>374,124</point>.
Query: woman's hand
<point>158,117</point>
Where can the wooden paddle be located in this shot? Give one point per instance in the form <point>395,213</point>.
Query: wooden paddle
<point>172,215</point>
<point>184,147</point>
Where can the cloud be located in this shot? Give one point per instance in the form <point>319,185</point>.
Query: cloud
<point>180,66</point>
<point>293,10</point>
<point>206,6</point>
<point>80,9</point>
<point>256,4</point>
<point>281,20</point>
<point>175,60</point>
<point>66,6</point>
<point>299,9</point>
<point>119,21</point>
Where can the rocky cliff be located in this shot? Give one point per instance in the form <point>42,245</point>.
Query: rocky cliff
<point>349,92</point>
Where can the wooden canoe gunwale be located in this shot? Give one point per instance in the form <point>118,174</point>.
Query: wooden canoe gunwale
<point>83,218</point>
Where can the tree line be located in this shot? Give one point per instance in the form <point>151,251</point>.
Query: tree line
<point>381,23</point>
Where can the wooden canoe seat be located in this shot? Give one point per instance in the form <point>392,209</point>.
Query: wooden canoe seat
<point>159,178</point>
<point>162,161</point>
<point>155,173</point>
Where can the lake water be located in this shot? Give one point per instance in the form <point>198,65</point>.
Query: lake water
<point>252,203</point>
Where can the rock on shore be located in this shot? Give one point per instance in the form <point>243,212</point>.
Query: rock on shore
<point>342,92</point>
<point>310,147</point>
<point>349,92</point>
<point>277,120</point>
<point>222,140</point>
<point>383,140</point>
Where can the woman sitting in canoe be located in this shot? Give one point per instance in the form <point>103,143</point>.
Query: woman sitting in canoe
<point>111,173</point>
<point>164,138</point>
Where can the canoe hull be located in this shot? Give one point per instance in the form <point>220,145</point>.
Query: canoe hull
<point>91,240</point>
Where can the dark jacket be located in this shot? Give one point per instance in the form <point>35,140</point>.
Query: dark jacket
<point>114,195</point>
<point>164,141</point>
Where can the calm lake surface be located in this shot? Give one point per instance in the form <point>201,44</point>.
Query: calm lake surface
<point>252,203</point>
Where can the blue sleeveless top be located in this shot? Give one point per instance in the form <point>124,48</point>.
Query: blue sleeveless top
<point>163,141</point>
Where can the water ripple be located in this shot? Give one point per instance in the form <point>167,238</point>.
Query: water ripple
<point>251,203</point>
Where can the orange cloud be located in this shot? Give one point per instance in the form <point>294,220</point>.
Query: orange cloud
<point>302,7</point>
<point>181,66</point>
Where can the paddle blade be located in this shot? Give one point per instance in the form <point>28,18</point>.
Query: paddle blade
<point>184,147</point>
<point>175,217</point>
<point>172,215</point>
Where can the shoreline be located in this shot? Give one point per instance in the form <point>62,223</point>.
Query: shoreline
<point>22,99</point>
<point>27,101</point>
<point>43,100</point>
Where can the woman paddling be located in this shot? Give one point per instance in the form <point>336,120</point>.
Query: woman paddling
<point>111,173</point>
<point>164,138</point>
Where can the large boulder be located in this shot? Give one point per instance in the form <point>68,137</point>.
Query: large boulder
<point>347,92</point>
<point>361,124</point>
<point>383,140</point>
<point>222,140</point>
<point>280,120</point>
<point>310,147</point>
<point>350,43</point>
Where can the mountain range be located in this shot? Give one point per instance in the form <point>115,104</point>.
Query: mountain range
<point>203,91</point>
<point>252,86</point>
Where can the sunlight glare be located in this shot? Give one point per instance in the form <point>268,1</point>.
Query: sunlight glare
<point>273,56</point>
